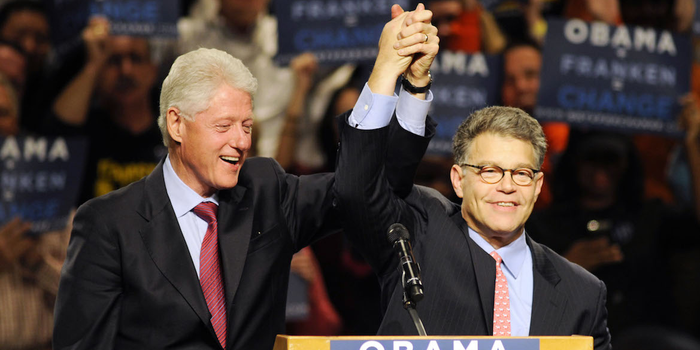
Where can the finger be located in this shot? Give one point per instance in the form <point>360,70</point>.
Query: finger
<point>396,10</point>
<point>418,27</point>
<point>430,47</point>
<point>424,16</point>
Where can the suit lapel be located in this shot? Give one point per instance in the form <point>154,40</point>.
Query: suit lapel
<point>548,304</point>
<point>166,245</point>
<point>235,227</point>
<point>485,272</point>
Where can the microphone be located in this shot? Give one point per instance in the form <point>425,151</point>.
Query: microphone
<point>413,287</point>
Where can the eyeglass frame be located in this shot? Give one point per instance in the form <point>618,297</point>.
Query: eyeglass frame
<point>503,173</point>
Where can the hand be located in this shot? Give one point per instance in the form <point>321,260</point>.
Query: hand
<point>412,41</point>
<point>593,253</point>
<point>303,265</point>
<point>13,242</point>
<point>304,67</point>
<point>96,36</point>
<point>389,65</point>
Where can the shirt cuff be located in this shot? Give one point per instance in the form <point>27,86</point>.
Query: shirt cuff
<point>372,111</point>
<point>412,112</point>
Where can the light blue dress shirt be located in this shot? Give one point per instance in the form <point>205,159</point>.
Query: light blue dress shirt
<point>517,266</point>
<point>374,111</point>
<point>183,200</point>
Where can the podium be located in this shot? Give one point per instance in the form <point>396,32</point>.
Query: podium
<point>285,342</point>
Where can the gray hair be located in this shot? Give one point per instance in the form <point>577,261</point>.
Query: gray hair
<point>6,84</point>
<point>193,80</point>
<point>503,121</point>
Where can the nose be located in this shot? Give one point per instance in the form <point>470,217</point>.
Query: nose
<point>29,44</point>
<point>240,139</point>
<point>126,65</point>
<point>506,185</point>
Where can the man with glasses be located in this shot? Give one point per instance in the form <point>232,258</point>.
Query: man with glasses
<point>482,274</point>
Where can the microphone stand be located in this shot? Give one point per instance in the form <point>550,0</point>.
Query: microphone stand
<point>410,305</point>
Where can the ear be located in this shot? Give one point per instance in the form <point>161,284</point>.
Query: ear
<point>538,184</point>
<point>456,177</point>
<point>175,124</point>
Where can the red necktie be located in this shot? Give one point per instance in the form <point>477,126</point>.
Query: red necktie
<point>501,301</point>
<point>210,270</point>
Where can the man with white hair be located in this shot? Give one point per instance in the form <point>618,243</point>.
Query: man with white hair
<point>197,254</point>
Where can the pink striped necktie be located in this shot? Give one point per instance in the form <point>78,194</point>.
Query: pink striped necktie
<point>501,301</point>
<point>210,270</point>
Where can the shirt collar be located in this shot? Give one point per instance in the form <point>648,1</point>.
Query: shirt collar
<point>182,197</point>
<point>513,254</point>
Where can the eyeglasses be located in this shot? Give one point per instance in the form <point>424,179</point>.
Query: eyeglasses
<point>493,174</point>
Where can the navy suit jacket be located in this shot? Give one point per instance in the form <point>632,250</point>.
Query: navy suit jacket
<point>458,276</point>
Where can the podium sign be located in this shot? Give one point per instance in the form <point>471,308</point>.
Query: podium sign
<point>433,343</point>
<point>438,344</point>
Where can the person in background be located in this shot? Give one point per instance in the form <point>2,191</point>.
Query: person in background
<point>600,220</point>
<point>13,64</point>
<point>464,26</point>
<point>30,266</point>
<point>25,23</point>
<point>109,101</point>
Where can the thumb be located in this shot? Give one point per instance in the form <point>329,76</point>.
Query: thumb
<point>396,10</point>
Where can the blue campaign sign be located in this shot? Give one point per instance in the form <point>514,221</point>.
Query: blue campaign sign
<point>437,344</point>
<point>41,178</point>
<point>149,18</point>
<point>620,78</point>
<point>336,31</point>
<point>462,83</point>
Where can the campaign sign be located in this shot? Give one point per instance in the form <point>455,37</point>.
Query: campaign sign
<point>620,78</point>
<point>336,31</point>
<point>147,18</point>
<point>40,178</point>
<point>437,344</point>
<point>462,83</point>
<point>297,299</point>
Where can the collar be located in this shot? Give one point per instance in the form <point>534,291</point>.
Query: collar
<point>513,254</point>
<point>182,197</point>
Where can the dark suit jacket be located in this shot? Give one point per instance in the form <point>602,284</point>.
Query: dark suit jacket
<point>458,276</point>
<point>129,282</point>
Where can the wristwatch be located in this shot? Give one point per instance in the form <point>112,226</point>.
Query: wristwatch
<point>413,89</point>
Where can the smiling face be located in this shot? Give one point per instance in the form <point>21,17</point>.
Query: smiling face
<point>208,152</point>
<point>497,212</point>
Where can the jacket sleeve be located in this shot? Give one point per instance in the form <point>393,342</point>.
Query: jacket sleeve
<point>86,312</point>
<point>375,170</point>
<point>599,328</point>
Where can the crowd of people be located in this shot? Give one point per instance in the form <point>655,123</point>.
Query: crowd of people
<point>625,207</point>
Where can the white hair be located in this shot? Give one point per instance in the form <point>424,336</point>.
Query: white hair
<point>193,80</point>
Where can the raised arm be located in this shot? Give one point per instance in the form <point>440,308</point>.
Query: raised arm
<point>372,154</point>
<point>72,104</point>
